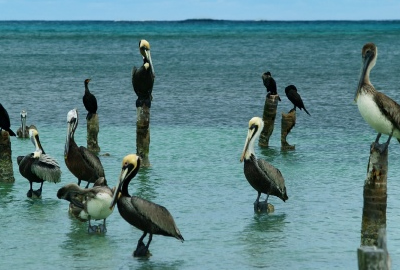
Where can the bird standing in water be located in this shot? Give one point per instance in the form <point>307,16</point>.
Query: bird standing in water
<point>149,217</point>
<point>143,77</point>
<point>37,166</point>
<point>294,97</point>
<point>89,101</point>
<point>378,110</point>
<point>5,121</point>
<point>260,174</point>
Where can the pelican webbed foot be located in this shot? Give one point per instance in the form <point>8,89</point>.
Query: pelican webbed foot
<point>38,193</point>
<point>29,193</point>
<point>141,250</point>
<point>381,147</point>
<point>101,228</point>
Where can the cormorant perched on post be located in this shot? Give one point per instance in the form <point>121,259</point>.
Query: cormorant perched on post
<point>147,216</point>
<point>37,166</point>
<point>143,77</point>
<point>294,97</point>
<point>89,101</point>
<point>270,84</point>
<point>5,121</point>
<point>378,110</point>
<point>261,175</point>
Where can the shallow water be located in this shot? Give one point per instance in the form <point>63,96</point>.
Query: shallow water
<point>208,86</point>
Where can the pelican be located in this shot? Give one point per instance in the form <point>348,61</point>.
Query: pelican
<point>23,130</point>
<point>294,97</point>
<point>89,101</point>
<point>37,166</point>
<point>262,176</point>
<point>270,84</point>
<point>5,121</point>
<point>143,77</point>
<point>378,110</point>
<point>149,217</point>
<point>79,160</point>
<point>90,203</point>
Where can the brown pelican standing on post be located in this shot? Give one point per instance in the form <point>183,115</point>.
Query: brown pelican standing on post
<point>5,121</point>
<point>23,130</point>
<point>294,97</point>
<point>143,77</point>
<point>89,203</point>
<point>262,176</point>
<point>378,110</point>
<point>37,166</point>
<point>80,161</point>
<point>149,217</point>
<point>270,84</point>
<point>89,101</point>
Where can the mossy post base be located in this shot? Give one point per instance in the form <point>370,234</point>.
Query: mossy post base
<point>269,115</point>
<point>143,134</point>
<point>375,196</point>
<point>375,257</point>
<point>6,165</point>
<point>263,207</point>
<point>92,133</point>
<point>288,122</point>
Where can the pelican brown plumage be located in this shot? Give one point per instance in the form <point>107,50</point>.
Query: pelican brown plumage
<point>5,121</point>
<point>89,203</point>
<point>89,101</point>
<point>80,161</point>
<point>22,131</point>
<point>378,110</point>
<point>261,175</point>
<point>294,97</point>
<point>37,166</point>
<point>143,77</point>
<point>147,216</point>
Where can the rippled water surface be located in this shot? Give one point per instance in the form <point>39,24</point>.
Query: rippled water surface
<point>208,85</point>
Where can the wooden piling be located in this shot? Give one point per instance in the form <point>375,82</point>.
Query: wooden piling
<point>143,134</point>
<point>374,257</point>
<point>6,165</point>
<point>375,196</point>
<point>92,134</point>
<point>269,115</point>
<point>263,207</point>
<point>287,123</point>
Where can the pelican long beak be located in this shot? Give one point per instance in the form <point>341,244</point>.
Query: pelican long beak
<point>365,68</point>
<point>250,134</point>
<point>69,130</point>
<point>117,192</point>
<point>148,57</point>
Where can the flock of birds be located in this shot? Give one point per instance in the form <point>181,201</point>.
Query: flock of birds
<point>97,202</point>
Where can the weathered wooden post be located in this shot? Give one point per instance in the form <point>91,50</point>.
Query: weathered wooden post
<point>92,134</point>
<point>269,115</point>
<point>263,207</point>
<point>287,123</point>
<point>375,197</point>
<point>6,165</point>
<point>143,134</point>
<point>374,257</point>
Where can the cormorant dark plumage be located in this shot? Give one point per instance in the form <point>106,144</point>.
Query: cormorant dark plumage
<point>294,97</point>
<point>149,217</point>
<point>80,161</point>
<point>89,101</point>
<point>270,84</point>
<point>37,166</point>
<point>89,203</point>
<point>262,176</point>
<point>143,77</point>
<point>378,110</point>
<point>5,121</point>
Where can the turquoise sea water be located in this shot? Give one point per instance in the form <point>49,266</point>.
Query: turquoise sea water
<point>208,85</point>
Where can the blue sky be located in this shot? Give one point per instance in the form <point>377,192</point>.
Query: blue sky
<point>211,9</point>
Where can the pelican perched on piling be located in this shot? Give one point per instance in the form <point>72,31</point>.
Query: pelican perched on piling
<point>89,203</point>
<point>80,161</point>
<point>5,121</point>
<point>143,77</point>
<point>149,217</point>
<point>23,130</point>
<point>37,166</point>
<point>378,110</point>
<point>294,97</point>
<point>89,101</point>
<point>262,176</point>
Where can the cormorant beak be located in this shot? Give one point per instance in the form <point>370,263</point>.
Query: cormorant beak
<point>250,135</point>
<point>366,61</point>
